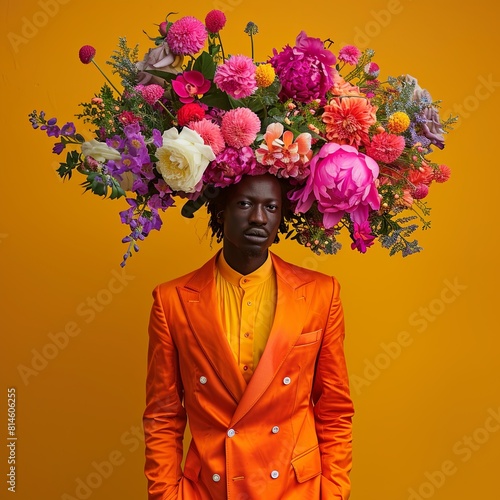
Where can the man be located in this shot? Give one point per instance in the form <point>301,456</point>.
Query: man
<point>250,349</point>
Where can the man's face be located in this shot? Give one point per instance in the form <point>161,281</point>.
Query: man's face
<point>251,218</point>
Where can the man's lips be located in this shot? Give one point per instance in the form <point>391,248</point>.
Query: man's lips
<point>256,233</point>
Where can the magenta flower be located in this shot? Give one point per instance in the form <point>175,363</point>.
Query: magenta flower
<point>306,70</point>
<point>187,36</point>
<point>215,20</point>
<point>362,237</point>
<point>349,54</point>
<point>151,93</point>
<point>342,180</point>
<point>236,77</point>
<point>240,127</point>
<point>86,54</point>
<point>190,85</point>
<point>229,166</point>
<point>372,70</point>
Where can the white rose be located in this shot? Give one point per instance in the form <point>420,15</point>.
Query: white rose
<point>182,159</point>
<point>100,151</point>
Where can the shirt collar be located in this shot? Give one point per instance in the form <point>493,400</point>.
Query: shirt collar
<point>257,277</point>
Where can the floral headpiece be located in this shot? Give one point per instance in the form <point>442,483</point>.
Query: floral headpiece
<point>188,119</point>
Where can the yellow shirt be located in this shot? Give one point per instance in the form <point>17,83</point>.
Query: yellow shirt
<point>247,304</point>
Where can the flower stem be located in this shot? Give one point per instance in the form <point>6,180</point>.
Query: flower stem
<point>103,74</point>
<point>221,47</point>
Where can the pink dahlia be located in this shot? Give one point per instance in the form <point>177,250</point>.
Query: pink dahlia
<point>86,54</point>
<point>341,180</point>
<point>190,85</point>
<point>190,113</point>
<point>349,54</point>
<point>215,20</point>
<point>240,127</point>
<point>348,120</point>
<point>187,36</point>
<point>229,166</point>
<point>442,174</point>
<point>236,77</point>
<point>306,70</point>
<point>150,93</point>
<point>385,147</point>
<point>210,133</point>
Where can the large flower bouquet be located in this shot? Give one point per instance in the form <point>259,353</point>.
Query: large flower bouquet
<point>189,120</point>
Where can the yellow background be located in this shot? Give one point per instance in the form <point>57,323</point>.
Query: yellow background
<point>422,346</point>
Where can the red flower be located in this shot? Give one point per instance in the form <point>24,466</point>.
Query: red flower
<point>86,54</point>
<point>189,113</point>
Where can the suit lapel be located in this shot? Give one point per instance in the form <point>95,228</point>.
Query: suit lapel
<point>285,331</point>
<point>199,300</point>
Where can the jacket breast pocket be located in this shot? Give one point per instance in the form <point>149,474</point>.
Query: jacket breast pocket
<point>309,338</point>
<point>307,465</point>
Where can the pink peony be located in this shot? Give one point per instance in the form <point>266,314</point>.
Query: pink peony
<point>240,127</point>
<point>215,20</point>
<point>189,113</point>
<point>236,77</point>
<point>306,70</point>
<point>187,36</point>
<point>210,133</point>
<point>150,93</point>
<point>385,147</point>
<point>190,85</point>
<point>342,180</point>
<point>349,54</point>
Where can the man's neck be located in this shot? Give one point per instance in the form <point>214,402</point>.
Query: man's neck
<point>245,264</point>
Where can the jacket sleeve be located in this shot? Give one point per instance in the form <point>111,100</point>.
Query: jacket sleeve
<point>333,408</point>
<point>164,417</point>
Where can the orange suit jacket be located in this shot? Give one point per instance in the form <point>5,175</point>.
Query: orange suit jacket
<point>285,435</point>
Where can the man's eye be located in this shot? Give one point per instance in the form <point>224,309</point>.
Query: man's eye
<point>273,207</point>
<point>244,203</point>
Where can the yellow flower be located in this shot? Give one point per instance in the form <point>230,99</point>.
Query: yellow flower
<point>398,122</point>
<point>264,75</point>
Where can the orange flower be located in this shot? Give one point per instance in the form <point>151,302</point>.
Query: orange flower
<point>348,119</point>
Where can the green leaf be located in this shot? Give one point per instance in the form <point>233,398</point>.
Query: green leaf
<point>216,98</point>
<point>191,206</point>
<point>205,65</point>
<point>162,74</point>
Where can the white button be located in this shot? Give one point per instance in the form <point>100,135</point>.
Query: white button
<point>216,478</point>
<point>231,433</point>
<point>275,429</point>
<point>287,380</point>
<point>203,380</point>
<point>275,474</point>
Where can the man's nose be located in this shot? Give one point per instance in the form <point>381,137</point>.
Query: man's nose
<point>258,215</point>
